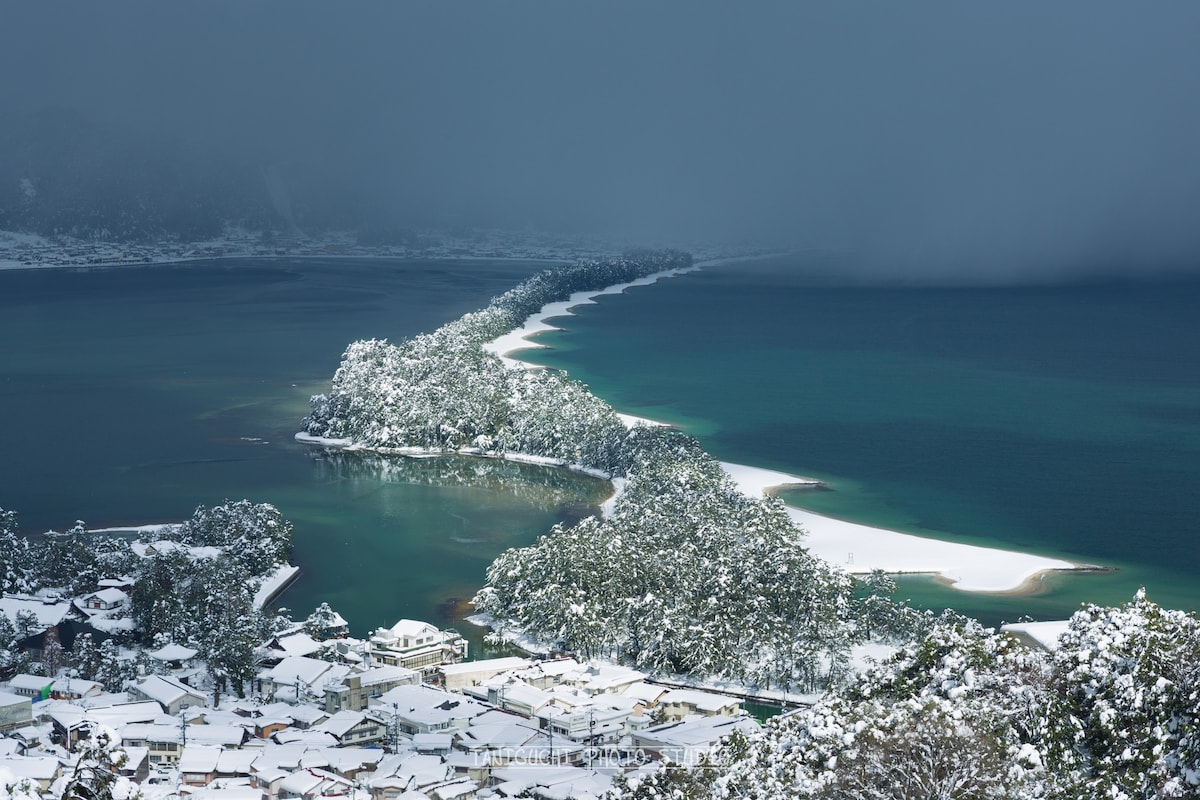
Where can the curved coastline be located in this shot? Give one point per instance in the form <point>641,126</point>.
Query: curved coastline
<point>519,338</point>
<point>854,547</point>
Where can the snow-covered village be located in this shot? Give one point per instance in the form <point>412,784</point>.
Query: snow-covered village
<point>401,714</point>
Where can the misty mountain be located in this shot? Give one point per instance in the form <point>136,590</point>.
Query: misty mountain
<point>66,173</point>
<point>941,140</point>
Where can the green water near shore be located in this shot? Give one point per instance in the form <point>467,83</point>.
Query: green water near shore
<point>132,395</point>
<point>1057,420</point>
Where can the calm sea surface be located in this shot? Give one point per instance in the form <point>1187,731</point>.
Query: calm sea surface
<point>133,395</point>
<point>1063,421</point>
<point>1057,420</point>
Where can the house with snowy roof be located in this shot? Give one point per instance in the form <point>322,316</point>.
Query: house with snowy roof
<point>42,770</point>
<point>103,600</point>
<point>648,694</point>
<point>64,633</point>
<point>293,642</point>
<point>304,717</point>
<point>454,677</point>
<point>518,697</point>
<point>433,743</point>
<point>198,764</point>
<point>16,711</point>
<point>300,677</point>
<point>424,709</point>
<point>12,746</point>
<point>548,673</point>
<point>48,610</point>
<point>593,724</point>
<point>354,728</point>
<point>549,781</point>
<point>398,775</point>
<point>71,722</point>
<point>39,687</point>
<point>34,686</point>
<point>125,583</point>
<point>414,644</point>
<point>310,738</point>
<point>309,784</point>
<point>235,762</point>
<point>604,678</point>
<point>686,741</point>
<point>679,703</point>
<point>357,689</point>
<point>164,742</point>
<point>169,693</point>
<point>494,731</point>
<point>457,789</point>
<point>349,762</point>
<point>272,762</point>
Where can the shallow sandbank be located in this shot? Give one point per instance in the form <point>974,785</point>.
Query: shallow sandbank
<point>860,548</point>
<point>519,338</point>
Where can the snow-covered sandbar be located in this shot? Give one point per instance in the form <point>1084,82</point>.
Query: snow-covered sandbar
<point>519,338</point>
<point>861,548</point>
<point>855,548</point>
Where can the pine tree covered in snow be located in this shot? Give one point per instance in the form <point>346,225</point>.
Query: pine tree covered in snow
<point>1113,712</point>
<point>687,575</point>
<point>16,559</point>
<point>254,534</point>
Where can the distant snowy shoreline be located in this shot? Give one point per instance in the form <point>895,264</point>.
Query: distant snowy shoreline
<point>26,251</point>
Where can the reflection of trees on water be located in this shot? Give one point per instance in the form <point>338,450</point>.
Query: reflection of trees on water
<point>542,487</point>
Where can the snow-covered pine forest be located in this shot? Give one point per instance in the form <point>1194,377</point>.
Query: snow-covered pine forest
<point>1113,712</point>
<point>685,576</point>
<point>443,392</point>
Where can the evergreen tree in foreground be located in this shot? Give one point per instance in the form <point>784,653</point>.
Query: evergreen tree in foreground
<point>964,712</point>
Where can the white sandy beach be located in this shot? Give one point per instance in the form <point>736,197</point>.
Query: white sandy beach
<point>861,548</point>
<point>519,338</point>
<point>853,547</point>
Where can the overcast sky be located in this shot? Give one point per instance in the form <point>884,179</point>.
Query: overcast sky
<point>951,137</point>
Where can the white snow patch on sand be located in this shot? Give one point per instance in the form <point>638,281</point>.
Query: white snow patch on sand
<point>861,548</point>
<point>519,338</point>
<point>1044,633</point>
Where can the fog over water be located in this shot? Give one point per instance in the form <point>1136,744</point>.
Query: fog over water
<point>931,141</point>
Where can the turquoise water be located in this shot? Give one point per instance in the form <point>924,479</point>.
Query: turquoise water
<point>1058,420</point>
<point>133,395</point>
